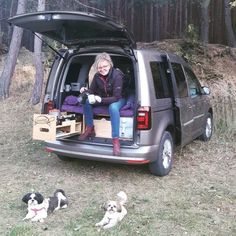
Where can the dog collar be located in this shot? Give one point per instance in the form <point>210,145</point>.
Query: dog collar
<point>36,210</point>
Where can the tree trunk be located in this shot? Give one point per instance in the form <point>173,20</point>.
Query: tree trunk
<point>229,30</point>
<point>6,76</point>
<point>176,22</point>
<point>185,17</point>
<point>179,33</point>
<point>151,20</point>
<point>132,16</point>
<point>1,33</point>
<point>157,23</point>
<point>38,85</point>
<point>204,27</point>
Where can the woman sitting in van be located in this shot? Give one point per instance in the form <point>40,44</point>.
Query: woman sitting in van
<point>105,89</point>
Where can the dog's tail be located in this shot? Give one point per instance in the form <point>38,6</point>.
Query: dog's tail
<point>60,194</point>
<point>122,197</point>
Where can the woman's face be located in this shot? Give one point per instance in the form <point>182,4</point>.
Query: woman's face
<point>104,67</point>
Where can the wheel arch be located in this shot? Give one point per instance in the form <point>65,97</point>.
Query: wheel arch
<point>171,130</point>
<point>210,110</point>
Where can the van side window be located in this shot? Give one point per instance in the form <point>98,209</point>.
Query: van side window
<point>180,80</point>
<point>194,87</point>
<point>160,79</point>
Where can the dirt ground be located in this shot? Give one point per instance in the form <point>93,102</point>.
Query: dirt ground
<point>198,197</point>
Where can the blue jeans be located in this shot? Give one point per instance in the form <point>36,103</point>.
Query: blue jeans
<point>114,112</point>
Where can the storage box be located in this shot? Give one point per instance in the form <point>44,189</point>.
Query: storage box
<point>75,87</point>
<point>126,127</point>
<point>103,128</point>
<point>45,127</point>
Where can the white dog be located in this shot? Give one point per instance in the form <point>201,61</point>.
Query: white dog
<point>39,207</point>
<point>115,212</point>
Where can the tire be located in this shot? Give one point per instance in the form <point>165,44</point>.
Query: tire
<point>64,158</point>
<point>163,163</point>
<point>208,129</point>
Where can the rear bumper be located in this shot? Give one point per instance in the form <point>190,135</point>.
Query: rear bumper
<point>129,155</point>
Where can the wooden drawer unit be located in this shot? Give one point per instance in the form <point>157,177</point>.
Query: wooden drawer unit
<point>45,127</point>
<point>103,127</point>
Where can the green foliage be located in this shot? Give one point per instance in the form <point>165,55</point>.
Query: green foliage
<point>233,3</point>
<point>191,33</point>
<point>191,44</point>
<point>49,53</point>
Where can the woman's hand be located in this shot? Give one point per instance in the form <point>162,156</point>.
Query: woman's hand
<point>82,89</point>
<point>98,99</point>
<point>94,98</point>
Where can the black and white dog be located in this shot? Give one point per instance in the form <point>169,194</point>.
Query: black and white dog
<point>39,207</point>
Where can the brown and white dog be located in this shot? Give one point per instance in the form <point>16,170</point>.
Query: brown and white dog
<point>115,211</point>
<point>39,207</point>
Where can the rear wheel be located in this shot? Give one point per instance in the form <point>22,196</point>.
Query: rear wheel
<point>208,129</point>
<point>64,158</point>
<point>163,163</point>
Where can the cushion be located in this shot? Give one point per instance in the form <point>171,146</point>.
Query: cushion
<point>71,104</point>
<point>129,103</point>
<point>71,100</point>
<point>72,108</point>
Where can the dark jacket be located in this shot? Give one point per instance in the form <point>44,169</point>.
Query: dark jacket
<point>109,88</point>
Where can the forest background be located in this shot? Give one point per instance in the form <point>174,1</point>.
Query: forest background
<point>149,20</point>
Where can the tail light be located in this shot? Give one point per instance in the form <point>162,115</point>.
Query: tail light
<point>144,118</point>
<point>49,106</point>
<point>48,150</point>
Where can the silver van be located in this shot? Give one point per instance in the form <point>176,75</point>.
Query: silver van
<point>166,105</point>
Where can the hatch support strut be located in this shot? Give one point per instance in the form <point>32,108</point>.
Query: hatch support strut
<point>53,49</point>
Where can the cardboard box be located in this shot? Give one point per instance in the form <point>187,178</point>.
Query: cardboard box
<point>45,127</point>
<point>103,128</point>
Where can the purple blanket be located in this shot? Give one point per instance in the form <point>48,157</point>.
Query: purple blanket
<point>71,105</point>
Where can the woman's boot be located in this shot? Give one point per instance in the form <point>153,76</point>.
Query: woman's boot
<point>89,132</point>
<point>116,147</point>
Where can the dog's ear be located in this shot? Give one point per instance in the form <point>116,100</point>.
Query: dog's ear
<point>119,207</point>
<point>26,198</point>
<point>39,197</point>
<point>104,206</point>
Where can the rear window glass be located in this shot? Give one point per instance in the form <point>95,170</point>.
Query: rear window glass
<point>180,80</point>
<point>160,79</point>
<point>194,86</point>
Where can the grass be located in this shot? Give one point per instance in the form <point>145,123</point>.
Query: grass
<point>22,230</point>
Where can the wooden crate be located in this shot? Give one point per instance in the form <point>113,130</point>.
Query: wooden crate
<point>46,129</point>
<point>102,128</point>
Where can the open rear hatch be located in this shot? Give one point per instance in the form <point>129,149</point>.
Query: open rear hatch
<point>76,28</point>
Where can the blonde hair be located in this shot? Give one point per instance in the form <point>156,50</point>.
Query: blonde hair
<point>103,57</point>
<point>100,57</point>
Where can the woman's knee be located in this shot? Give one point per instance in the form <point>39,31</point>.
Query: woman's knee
<point>114,107</point>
